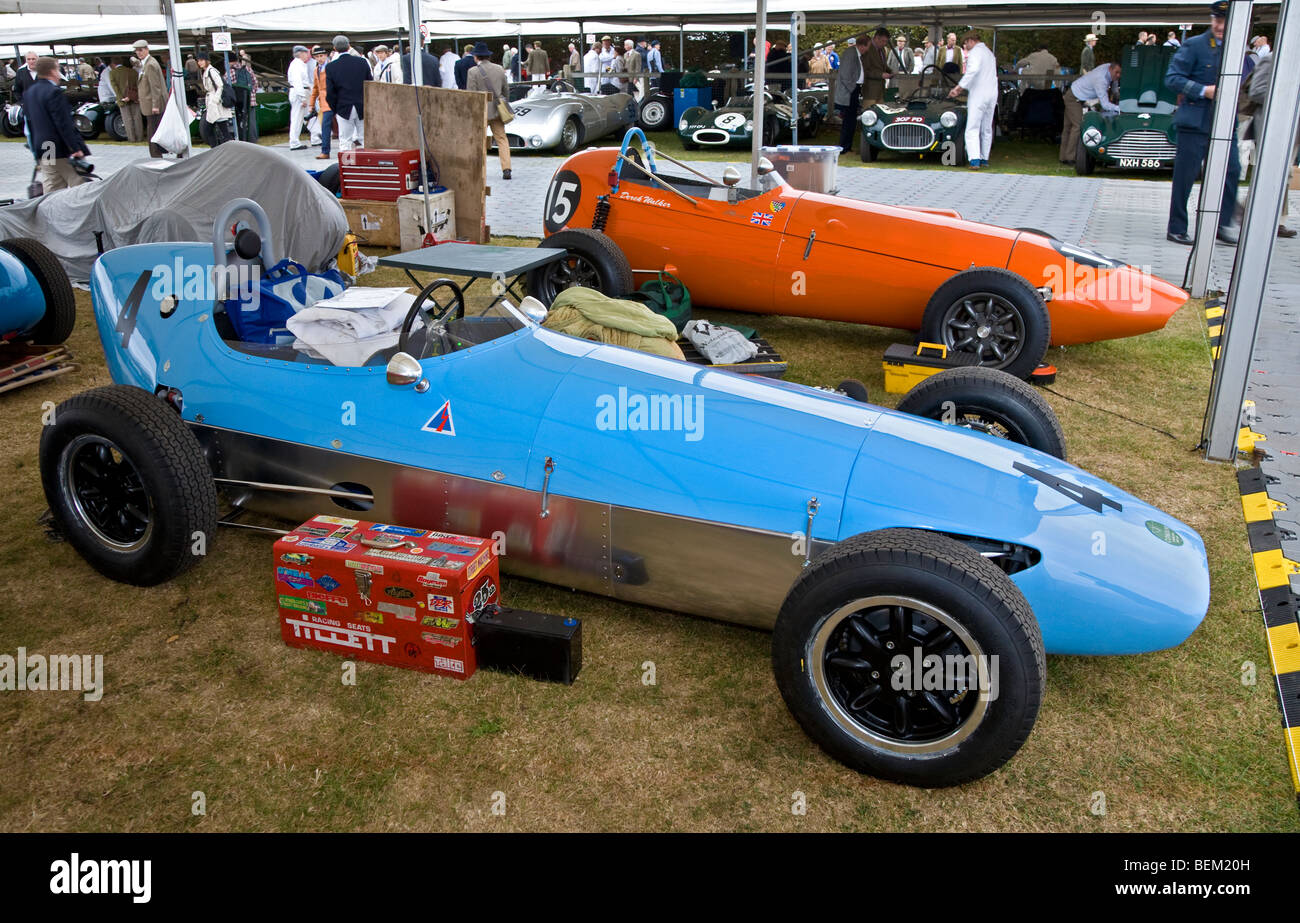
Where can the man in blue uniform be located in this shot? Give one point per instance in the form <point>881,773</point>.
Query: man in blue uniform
<point>1194,74</point>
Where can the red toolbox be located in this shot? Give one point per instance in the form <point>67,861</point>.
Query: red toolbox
<point>375,173</point>
<point>386,594</point>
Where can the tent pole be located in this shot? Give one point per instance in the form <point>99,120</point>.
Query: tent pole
<point>760,81</point>
<point>681,44</point>
<point>417,84</point>
<point>794,78</point>
<point>1259,224</point>
<point>176,69</point>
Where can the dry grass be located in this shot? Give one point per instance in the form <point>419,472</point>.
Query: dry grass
<point>203,696</point>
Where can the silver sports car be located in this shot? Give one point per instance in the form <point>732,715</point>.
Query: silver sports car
<point>557,115</point>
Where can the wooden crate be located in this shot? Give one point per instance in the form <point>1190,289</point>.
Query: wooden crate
<point>375,222</point>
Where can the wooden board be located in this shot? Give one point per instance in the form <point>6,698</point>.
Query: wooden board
<point>455,132</point>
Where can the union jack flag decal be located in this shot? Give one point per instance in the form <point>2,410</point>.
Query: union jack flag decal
<point>762,219</point>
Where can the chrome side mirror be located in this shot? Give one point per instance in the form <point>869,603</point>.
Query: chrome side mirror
<point>765,166</point>
<point>730,176</point>
<point>403,369</point>
<point>533,309</point>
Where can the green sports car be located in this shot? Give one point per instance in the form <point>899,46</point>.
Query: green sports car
<point>733,124</point>
<point>1141,136</point>
<point>272,116</point>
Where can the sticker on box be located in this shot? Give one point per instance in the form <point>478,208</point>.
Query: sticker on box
<point>335,521</point>
<point>398,592</point>
<point>430,579</point>
<point>375,618</point>
<point>478,564</point>
<point>326,598</point>
<point>441,603</point>
<point>406,613</point>
<point>449,548</point>
<point>366,566</point>
<point>446,663</point>
<point>294,577</point>
<point>396,530</point>
<point>439,621</point>
<point>295,558</point>
<point>340,637</point>
<point>302,605</point>
<point>327,544</point>
<point>327,583</point>
<point>440,639</point>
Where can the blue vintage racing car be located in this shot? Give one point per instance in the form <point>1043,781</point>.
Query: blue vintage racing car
<point>36,301</point>
<point>914,574</point>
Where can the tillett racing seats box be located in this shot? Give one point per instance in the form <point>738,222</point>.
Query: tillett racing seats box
<point>382,593</point>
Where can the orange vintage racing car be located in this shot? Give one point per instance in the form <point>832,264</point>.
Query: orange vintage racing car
<point>1004,294</point>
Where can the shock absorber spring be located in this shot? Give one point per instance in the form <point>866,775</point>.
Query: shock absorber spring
<point>602,213</point>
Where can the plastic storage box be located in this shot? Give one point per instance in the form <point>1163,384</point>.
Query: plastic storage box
<point>806,166</point>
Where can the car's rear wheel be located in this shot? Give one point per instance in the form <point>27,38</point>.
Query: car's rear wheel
<point>570,136</point>
<point>115,125</point>
<point>959,150</point>
<point>988,401</point>
<point>85,126</point>
<point>855,648</point>
<point>592,260</point>
<point>1084,163</point>
<point>128,485</point>
<point>655,114</point>
<point>56,324</point>
<point>770,130</point>
<point>993,313</point>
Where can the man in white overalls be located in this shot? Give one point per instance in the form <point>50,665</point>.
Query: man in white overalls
<point>981,83</point>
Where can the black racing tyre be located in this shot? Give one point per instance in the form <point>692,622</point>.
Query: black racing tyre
<point>690,145</point>
<point>848,633</point>
<point>60,305</point>
<point>570,137</point>
<point>866,150</point>
<point>115,125</point>
<point>770,130</point>
<point>85,127</point>
<point>1084,163</point>
<point>593,261</point>
<point>959,150</point>
<point>991,402</point>
<point>128,485</point>
<point>656,114</point>
<point>851,387</point>
<point>993,313</point>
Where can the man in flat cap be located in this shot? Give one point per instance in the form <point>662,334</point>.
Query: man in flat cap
<point>1193,74</point>
<point>152,89</point>
<point>300,83</point>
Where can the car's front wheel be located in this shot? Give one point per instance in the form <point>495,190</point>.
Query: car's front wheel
<point>909,656</point>
<point>570,136</point>
<point>866,150</point>
<point>1084,163</point>
<point>128,485</point>
<point>991,402</point>
<point>993,313</point>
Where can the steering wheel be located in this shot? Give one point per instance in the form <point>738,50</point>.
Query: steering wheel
<point>561,86</point>
<point>433,319</point>
<point>943,74</point>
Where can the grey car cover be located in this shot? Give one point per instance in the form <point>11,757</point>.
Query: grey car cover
<point>152,201</point>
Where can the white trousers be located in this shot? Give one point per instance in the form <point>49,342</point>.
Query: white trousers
<point>313,128</point>
<point>297,113</point>
<point>351,131</point>
<point>979,127</point>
